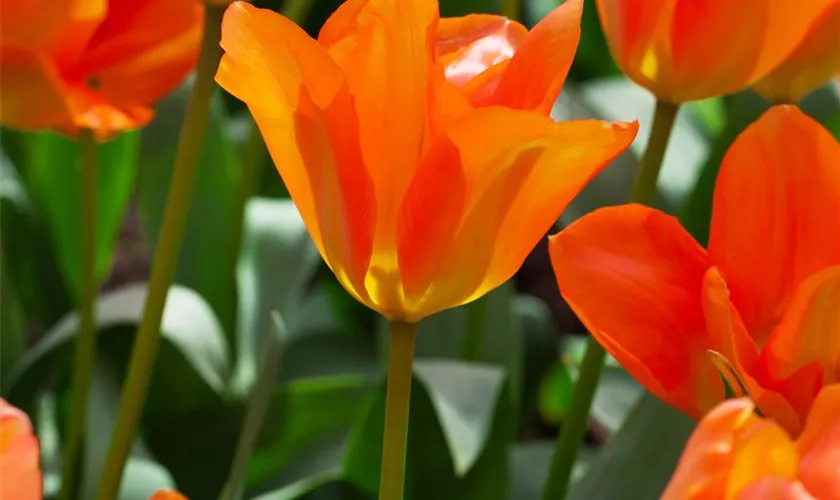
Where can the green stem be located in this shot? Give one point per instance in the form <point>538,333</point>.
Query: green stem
<point>397,399</point>
<point>575,424</point>
<point>85,355</point>
<point>168,247</point>
<point>476,324</point>
<point>255,412</point>
<point>648,173</point>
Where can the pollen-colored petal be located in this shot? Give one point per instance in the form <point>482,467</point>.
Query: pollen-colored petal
<point>819,445</point>
<point>702,470</point>
<point>776,213</point>
<point>19,456</point>
<point>468,46</point>
<point>536,73</point>
<point>763,450</point>
<point>775,488</point>
<point>302,105</point>
<point>813,63</point>
<point>634,277</point>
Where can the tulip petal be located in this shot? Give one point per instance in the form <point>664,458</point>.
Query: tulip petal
<point>819,445</point>
<point>57,28</point>
<point>302,105</point>
<point>468,46</point>
<point>763,450</point>
<point>536,73</point>
<point>726,334</point>
<point>32,94</point>
<point>813,63</point>
<point>634,276</point>
<point>708,454</point>
<point>809,334</point>
<point>19,456</point>
<point>386,50</point>
<point>167,495</point>
<point>776,213</point>
<point>776,488</point>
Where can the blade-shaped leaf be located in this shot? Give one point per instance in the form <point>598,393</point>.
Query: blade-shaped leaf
<point>54,178</point>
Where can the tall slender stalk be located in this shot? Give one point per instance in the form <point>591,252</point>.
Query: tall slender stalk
<point>397,399</point>
<point>85,355</point>
<point>258,403</point>
<point>476,326</point>
<point>575,424</point>
<point>168,247</point>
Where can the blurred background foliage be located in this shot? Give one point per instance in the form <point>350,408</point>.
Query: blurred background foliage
<point>492,379</point>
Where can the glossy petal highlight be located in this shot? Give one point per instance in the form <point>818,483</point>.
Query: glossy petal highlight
<point>19,456</point>
<point>776,213</point>
<point>634,277</point>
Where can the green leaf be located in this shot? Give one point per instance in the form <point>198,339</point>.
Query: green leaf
<point>464,397</point>
<point>276,261</point>
<point>306,429</point>
<point>54,177</point>
<point>449,421</point>
<point>207,259</point>
<point>530,462</point>
<point>639,460</point>
<point>30,270</point>
<point>304,433</point>
<point>194,352</point>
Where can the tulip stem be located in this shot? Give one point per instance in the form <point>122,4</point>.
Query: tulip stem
<point>575,424</point>
<point>476,325</point>
<point>512,9</point>
<point>258,404</point>
<point>85,355</point>
<point>141,365</point>
<point>397,399</point>
<point>648,173</point>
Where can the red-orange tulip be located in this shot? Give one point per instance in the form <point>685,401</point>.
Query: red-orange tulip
<point>659,303</point>
<point>167,495</point>
<point>92,64</point>
<point>684,50</point>
<point>814,62</point>
<point>417,199</point>
<point>20,473</point>
<point>734,454</point>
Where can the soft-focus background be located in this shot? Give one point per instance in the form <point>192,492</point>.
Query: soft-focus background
<point>484,415</point>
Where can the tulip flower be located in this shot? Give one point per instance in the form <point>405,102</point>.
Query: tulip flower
<point>417,199</point>
<point>814,62</point>
<point>167,495</point>
<point>761,306</point>
<point>92,64</point>
<point>735,454</point>
<point>689,50</point>
<point>20,473</point>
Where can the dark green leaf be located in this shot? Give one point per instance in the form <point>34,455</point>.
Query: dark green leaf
<point>54,177</point>
<point>194,352</point>
<point>640,459</point>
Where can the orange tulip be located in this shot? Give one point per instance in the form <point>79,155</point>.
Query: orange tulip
<point>20,475</point>
<point>734,454</point>
<point>167,495</point>
<point>685,50</point>
<point>417,199</point>
<point>92,64</point>
<point>661,305</point>
<point>814,62</point>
